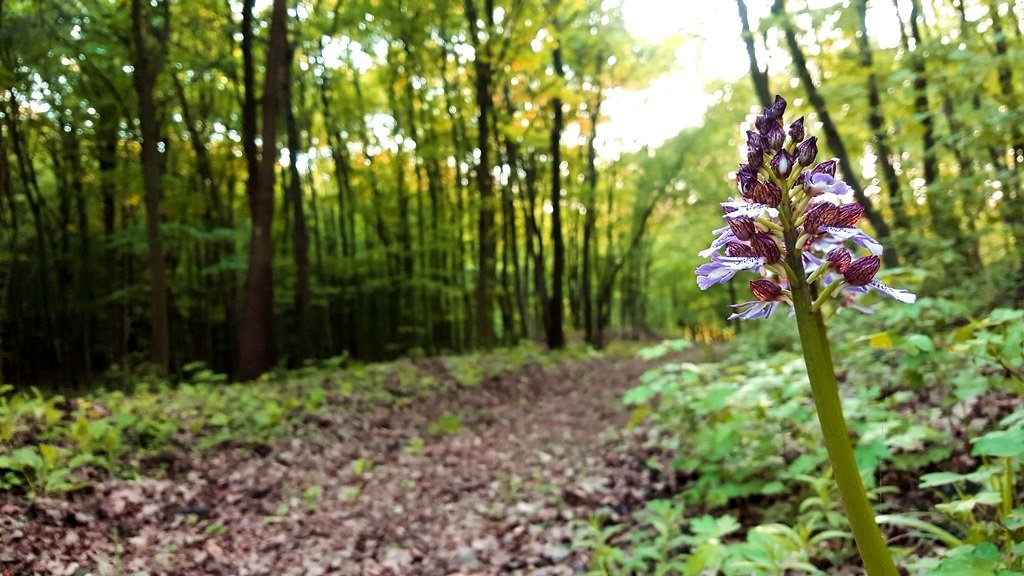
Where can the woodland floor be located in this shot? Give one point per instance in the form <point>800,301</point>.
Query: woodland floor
<point>538,451</point>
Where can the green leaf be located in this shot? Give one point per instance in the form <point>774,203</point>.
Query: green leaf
<point>940,479</point>
<point>921,342</point>
<point>1001,443</point>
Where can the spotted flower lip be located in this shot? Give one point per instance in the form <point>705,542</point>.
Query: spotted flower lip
<point>790,218</point>
<point>855,235</point>
<point>897,294</point>
<point>750,210</point>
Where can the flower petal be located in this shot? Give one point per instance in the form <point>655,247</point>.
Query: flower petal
<point>725,236</point>
<point>750,210</point>
<point>904,296</point>
<point>755,310</point>
<point>722,268</point>
<point>858,236</point>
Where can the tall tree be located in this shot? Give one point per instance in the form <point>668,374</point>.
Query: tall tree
<point>149,51</point>
<point>486,234</point>
<point>556,305</point>
<point>835,142</point>
<point>876,121</point>
<point>255,345</point>
<point>758,76</point>
<point>300,229</point>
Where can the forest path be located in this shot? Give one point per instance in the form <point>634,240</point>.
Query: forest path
<point>490,479</point>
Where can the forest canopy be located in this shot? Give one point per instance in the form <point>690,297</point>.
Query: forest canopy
<point>258,184</point>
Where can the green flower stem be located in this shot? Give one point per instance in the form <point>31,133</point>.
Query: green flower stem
<point>825,294</point>
<point>818,357</point>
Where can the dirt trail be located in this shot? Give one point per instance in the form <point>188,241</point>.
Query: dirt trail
<point>536,451</point>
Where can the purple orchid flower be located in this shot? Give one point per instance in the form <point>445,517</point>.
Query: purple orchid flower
<point>781,198</point>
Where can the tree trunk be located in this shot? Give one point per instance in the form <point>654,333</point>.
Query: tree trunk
<point>487,251</point>
<point>148,55</point>
<point>944,220</point>
<point>589,248</point>
<point>1012,206</point>
<point>832,137</point>
<point>255,350</point>
<point>758,76</point>
<point>556,328</point>
<point>300,238</point>
<point>876,120</point>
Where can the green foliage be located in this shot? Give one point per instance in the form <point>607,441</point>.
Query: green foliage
<point>446,424</point>
<point>744,430</point>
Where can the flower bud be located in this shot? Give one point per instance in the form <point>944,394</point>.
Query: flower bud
<point>765,290</point>
<point>820,214</point>
<point>762,123</point>
<point>755,155</point>
<point>849,215</point>
<point>862,270</point>
<point>767,193</point>
<point>839,259</point>
<point>775,137</point>
<point>776,110</point>
<point>737,250</point>
<point>826,167</point>
<point>807,150</point>
<point>742,227</point>
<point>746,183</point>
<point>764,246</point>
<point>754,138</point>
<point>796,130</point>
<point>782,164</point>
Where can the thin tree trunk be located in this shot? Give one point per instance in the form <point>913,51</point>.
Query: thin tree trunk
<point>148,60</point>
<point>556,306</point>
<point>835,142</point>
<point>486,254</point>
<point>877,123</point>
<point>758,76</point>
<point>300,239</point>
<point>589,248</point>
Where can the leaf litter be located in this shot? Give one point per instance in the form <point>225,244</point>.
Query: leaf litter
<point>488,479</point>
